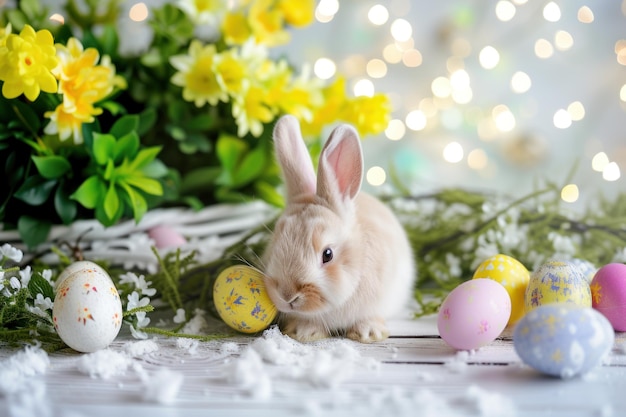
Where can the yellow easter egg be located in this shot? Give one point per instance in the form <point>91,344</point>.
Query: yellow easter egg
<point>513,276</point>
<point>241,300</point>
<point>557,282</point>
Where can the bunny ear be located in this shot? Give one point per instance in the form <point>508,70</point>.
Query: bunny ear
<point>340,167</point>
<point>293,158</point>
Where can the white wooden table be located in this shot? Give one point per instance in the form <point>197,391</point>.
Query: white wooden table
<point>413,373</point>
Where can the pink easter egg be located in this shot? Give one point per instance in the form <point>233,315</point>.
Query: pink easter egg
<point>474,314</point>
<point>608,294</point>
<point>166,237</point>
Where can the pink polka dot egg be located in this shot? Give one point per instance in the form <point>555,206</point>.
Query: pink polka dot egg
<point>474,314</point>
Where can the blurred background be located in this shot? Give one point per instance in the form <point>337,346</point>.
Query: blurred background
<point>487,95</point>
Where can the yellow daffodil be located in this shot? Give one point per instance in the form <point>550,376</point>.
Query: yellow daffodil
<point>230,71</point>
<point>369,115</point>
<point>235,29</point>
<point>4,34</point>
<point>83,83</point>
<point>298,13</point>
<point>302,96</point>
<point>195,74</point>
<point>250,110</point>
<point>203,12</point>
<point>330,110</point>
<point>267,23</point>
<point>26,64</point>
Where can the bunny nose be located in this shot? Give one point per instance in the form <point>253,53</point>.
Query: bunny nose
<point>293,301</point>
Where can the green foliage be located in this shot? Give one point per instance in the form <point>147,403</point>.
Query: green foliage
<point>119,178</point>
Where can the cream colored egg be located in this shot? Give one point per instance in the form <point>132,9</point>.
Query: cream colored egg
<point>87,310</point>
<point>77,266</point>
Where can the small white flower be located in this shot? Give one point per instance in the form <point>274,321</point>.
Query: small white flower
<point>15,283</point>
<point>142,320</point>
<point>47,275</point>
<point>138,334</point>
<point>43,303</point>
<point>180,316</point>
<point>134,301</point>
<point>25,275</point>
<point>12,253</point>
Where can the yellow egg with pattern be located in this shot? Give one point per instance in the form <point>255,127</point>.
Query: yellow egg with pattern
<point>557,282</point>
<point>513,276</point>
<point>241,300</point>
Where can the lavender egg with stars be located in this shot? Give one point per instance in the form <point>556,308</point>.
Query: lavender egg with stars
<point>563,340</point>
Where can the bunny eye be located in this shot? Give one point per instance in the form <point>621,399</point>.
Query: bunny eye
<point>327,255</point>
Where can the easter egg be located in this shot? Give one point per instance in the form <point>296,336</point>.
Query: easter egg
<point>608,294</point>
<point>241,300</point>
<point>587,268</point>
<point>563,340</point>
<point>512,275</point>
<point>165,236</point>
<point>87,312</point>
<point>557,282</point>
<point>77,266</point>
<point>474,314</point>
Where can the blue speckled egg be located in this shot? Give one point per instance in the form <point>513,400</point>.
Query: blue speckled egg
<point>563,340</point>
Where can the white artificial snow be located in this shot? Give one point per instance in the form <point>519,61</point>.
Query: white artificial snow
<point>490,404</point>
<point>104,364</point>
<point>140,348</point>
<point>162,386</point>
<point>458,364</point>
<point>18,368</point>
<point>275,357</point>
<point>197,324</point>
<point>190,345</point>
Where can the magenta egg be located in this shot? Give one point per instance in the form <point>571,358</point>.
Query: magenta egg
<point>608,294</point>
<point>474,314</point>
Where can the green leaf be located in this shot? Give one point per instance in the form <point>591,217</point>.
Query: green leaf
<point>90,193</point>
<point>33,231</point>
<point>51,167</point>
<point>147,185</point>
<point>27,116</point>
<point>229,151</point>
<point>144,157</point>
<point>250,168</point>
<point>155,169</point>
<point>268,193</point>
<point>35,190</point>
<point>109,41</point>
<point>147,119</point>
<point>103,147</point>
<point>111,202</point>
<point>125,125</point>
<point>39,285</point>
<point>137,202</point>
<point>200,179</point>
<point>64,206</point>
<point>126,146</point>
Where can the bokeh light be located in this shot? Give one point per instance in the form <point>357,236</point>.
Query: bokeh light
<point>611,172</point>
<point>570,193</point>
<point>401,30</point>
<point>599,161</point>
<point>376,176</point>
<point>138,12</point>
<point>552,12</point>
<point>416,120</point>
<point>562,119</point>
<point>395,130</point>
<point>585,15</point>
<point>505,10</point>
<point>324,68</point>
<point>378,14</point>
<point>520,82</point>
<point>543,48</point>
<point>376,68</point>
<point>364,87</point>
<point>489,57</point>
<point>453,152</point>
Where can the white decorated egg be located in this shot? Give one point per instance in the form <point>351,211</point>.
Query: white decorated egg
<point>77,266</point>
<point>563,340</point>
<point>474,314</point>
<point>87,310</point>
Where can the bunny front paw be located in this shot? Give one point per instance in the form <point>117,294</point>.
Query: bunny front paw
<point>373,330</point>
<point>304,331</point>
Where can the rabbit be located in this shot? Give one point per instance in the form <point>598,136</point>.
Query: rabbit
<point>338,262</point>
